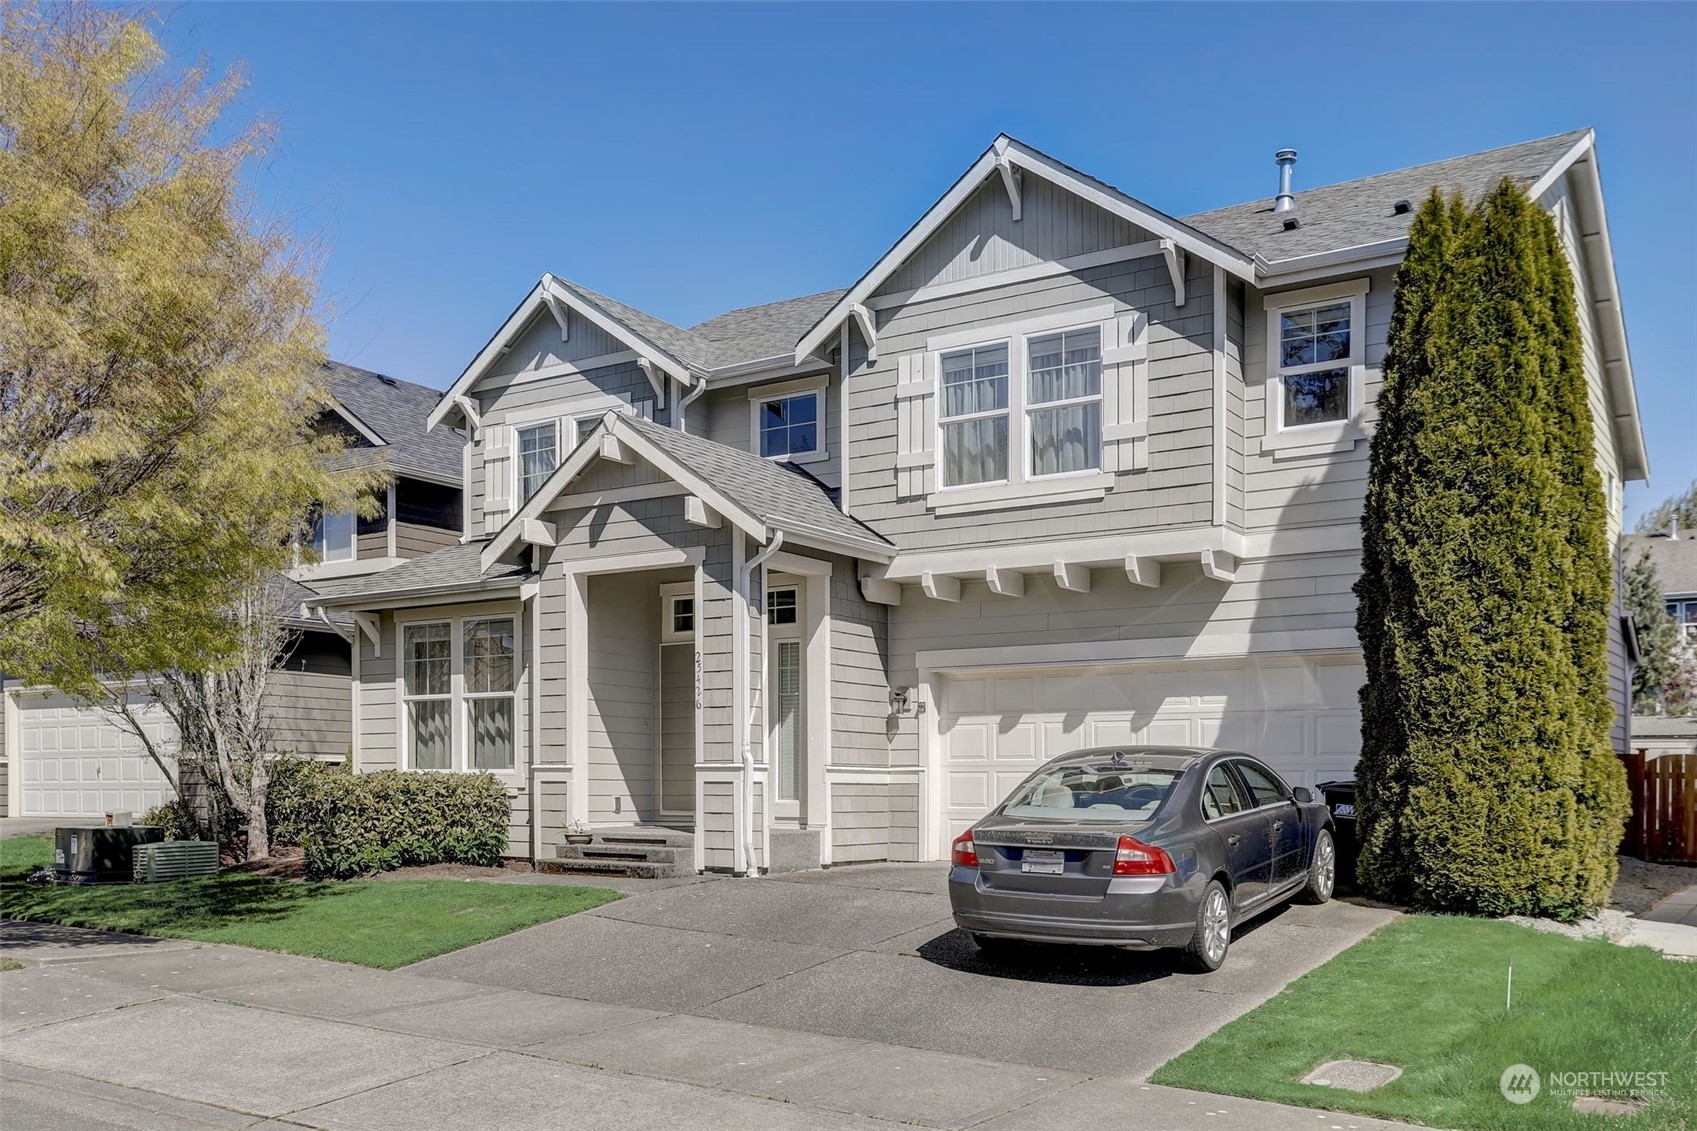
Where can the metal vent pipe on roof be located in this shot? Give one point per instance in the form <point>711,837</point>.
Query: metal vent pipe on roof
<point>1287,161</point>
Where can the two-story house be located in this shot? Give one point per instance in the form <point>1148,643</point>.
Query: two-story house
<point>823,579</point>
<point>69,760</point>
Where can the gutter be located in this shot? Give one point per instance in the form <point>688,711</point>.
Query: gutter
<point>743,708</point>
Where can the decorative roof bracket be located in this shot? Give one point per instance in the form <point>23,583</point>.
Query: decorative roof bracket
<point>868,329</point>
<point>1175,267</point>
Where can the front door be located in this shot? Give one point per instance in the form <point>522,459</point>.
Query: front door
<point>678,700</point>
<point>787,730</point>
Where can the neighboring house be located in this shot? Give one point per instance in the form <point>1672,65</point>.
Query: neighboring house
<point>70,761</point>
<point>1656,735</point>
<point>827,577</point>
<point>1674,554</point>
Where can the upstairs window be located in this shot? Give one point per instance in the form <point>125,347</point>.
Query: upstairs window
<point>333,536</point>
<point>539,454</point>
<point>789,425</point>
<point>974,415</point>
<point>1064,399</point>
<point>781,606</point>
<point>1314,357</point>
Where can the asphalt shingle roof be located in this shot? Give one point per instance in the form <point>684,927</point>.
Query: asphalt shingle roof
<point>455,567</point>
<point>775,493</point>
<point>754,333</point>
<point>1675,559</point>
<point>1359,212</point>
<point>397,411</point>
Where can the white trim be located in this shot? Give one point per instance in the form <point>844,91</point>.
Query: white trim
<point>1072,577</point>
<point>1014,275</point>
<point>354,703</point>
<point>390,522</point>
<point>1219,646</point>
<point>615,495</point>
<point>1073,487</point>
<point>887,775</point>
<point>1024,158</point>
<point>12,721</point>
<point>1361,257</point>
<point>1218,317</point>
<point>806,386</point>
<point>1176,266</point>
<point>458,699</point>
<point>643,560</point>
<point>1180,544</point>
<point>670,594</point>
<point>1330,435</point>
<point>356,567</point>
<point>357,424</point>
<point>1076,318</point>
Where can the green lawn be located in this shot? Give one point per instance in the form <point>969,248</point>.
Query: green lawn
<point>1427,994</point>
<point>374,923</point>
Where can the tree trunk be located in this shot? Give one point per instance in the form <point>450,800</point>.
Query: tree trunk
<point>258,830</point>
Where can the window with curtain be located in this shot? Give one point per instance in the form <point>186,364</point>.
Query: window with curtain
<point>487,664</point>
<point>539,454</point>
<point>333,536</point>
<point>427,659</point>
<point>1064,401</point>
<point>1315,352</point>
<point>973,414</point>
<point>786,719</point>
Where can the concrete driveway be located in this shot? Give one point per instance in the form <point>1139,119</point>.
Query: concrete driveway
<point>869,953</point>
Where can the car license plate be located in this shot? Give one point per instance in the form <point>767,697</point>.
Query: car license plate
<point>1045,861</point>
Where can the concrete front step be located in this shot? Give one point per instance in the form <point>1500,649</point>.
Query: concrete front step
<point>631,869</point>
<point>625,850</point>
<point>646,834</point>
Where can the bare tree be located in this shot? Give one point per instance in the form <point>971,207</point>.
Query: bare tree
<point>220,712</point>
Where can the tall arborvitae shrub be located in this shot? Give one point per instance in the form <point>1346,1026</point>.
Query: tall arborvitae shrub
<point>1487,782</point>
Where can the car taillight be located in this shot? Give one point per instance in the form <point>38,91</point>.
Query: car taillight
<point>965,854</point>
<point>1134,858</point>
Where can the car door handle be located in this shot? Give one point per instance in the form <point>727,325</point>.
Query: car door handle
<point>1277,825</point>
<point>1234,841</point>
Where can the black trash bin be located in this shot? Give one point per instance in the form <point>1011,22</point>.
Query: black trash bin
<point>1340,799</point>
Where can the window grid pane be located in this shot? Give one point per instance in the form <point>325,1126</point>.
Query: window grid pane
<point>538,456</point>
<point>1314,336</point>
<point>426,658</point>
<point>975,381</point>
<point>789,425</point>
<point>491,727</point>
<point>1066,439</point>
<point>488,656</point>
<point>975,451</point>
<point>781,606</point>
<point>431,734</point>
<point>1065,366</point>
<point>1315,398</point>
<point>786,728</point>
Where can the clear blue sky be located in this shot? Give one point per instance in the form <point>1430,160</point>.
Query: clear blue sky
<point>691,159</point>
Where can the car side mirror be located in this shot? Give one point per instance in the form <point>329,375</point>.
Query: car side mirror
<point>1302,794</point>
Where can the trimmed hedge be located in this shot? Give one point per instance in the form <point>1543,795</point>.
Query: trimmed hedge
<point>358,824</point>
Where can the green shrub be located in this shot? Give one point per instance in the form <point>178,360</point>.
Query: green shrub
<point>176,818</point>
<point>1487,782</point>
<point>295,793</point>
<point>365,823</point>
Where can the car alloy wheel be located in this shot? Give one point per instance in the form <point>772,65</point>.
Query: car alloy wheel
<point>1325,867</point>
<point>1216,926</point>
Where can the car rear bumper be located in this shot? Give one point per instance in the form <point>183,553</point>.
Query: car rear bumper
<point>1137,913</point>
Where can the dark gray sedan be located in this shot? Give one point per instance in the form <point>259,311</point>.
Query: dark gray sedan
<point>1141,847</point>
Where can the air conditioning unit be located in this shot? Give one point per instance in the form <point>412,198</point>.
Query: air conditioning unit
<point>99,854</point>
<point>175,860</point>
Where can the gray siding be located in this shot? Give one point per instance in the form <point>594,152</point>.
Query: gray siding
<point>623,649</point>
<point>729,420</point>
<point>1175,489</point>
<point>1234,415</point>
<point>860,822</point>
<point>1283,490</point>
<point>982,237</point>
<point>860,683</point>
<point>374,544</point>
<point>413,541</point>
<point>539,346</point>
<point>311,713</point>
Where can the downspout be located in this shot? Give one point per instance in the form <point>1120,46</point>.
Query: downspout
<point>745,710</point>
<point>684,403</point>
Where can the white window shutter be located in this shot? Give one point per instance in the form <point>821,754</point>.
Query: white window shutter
<point>1126,393</point>
<point>916,425</point>
<point>497,476</point>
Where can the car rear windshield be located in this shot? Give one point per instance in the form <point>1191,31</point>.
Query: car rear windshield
<point>1110,791</point>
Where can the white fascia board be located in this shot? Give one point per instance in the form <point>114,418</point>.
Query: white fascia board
<point>1040,557</point>
<point>358,425</point>
<point>1277,272</point>
<point>1014,155</point>
<point>613,426</point>
<point>1611,321</point>
<point>516,321</point>
<point>458,593</point>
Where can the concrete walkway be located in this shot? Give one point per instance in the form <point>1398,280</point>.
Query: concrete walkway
<point>109,1031</point>
<point>1670,926</point>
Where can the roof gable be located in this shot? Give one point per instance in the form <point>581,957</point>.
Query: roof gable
<point>397,414</point>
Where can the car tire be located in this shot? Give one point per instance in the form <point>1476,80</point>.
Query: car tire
<point>1322,870</point>
<point>1206,950</point>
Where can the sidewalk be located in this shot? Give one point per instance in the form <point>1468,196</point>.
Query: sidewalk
<point>1670,926</point>
<point>115,1031</point>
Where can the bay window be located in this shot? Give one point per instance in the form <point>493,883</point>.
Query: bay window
<point>459,702</point>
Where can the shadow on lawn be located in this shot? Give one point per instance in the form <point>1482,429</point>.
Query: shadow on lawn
<point>146,908</point>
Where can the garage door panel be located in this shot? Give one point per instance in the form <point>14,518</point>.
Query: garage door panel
<point>74,762</point>
<point>1300,717</point>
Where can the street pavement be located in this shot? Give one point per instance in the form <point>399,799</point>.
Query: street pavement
<point>839,1000</point>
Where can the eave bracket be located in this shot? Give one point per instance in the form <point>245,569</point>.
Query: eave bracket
<point>1171,252</point>
<point>868,329</point>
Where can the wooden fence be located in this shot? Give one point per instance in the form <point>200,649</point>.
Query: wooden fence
<point>1663,825</point>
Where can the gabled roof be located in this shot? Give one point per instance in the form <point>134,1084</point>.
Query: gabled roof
<point>759,496</point>
<point>397,413</point>
<point>761,333</point>
<point>1675,559</point>
<point>1009,154</point>
<point>1360,212</point>
<point>451,570</point>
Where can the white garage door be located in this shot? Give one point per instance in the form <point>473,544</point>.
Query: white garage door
<point>75,763</point>
<point>1302,717</point>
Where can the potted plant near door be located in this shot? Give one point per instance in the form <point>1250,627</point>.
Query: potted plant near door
<point>578,833</point>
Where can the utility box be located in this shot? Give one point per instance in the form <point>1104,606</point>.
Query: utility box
<point>169,860</point>
<point>99,854</point>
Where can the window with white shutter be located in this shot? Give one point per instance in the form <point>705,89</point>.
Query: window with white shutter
<point>916,426</point>
<point>497,477</point>
<point>1126,392</point>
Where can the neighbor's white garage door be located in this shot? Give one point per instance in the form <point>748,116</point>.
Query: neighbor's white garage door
<point>1303,718</point>
<point>75,763</point>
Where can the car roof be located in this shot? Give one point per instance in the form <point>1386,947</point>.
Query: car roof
<point>1171,757</point>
